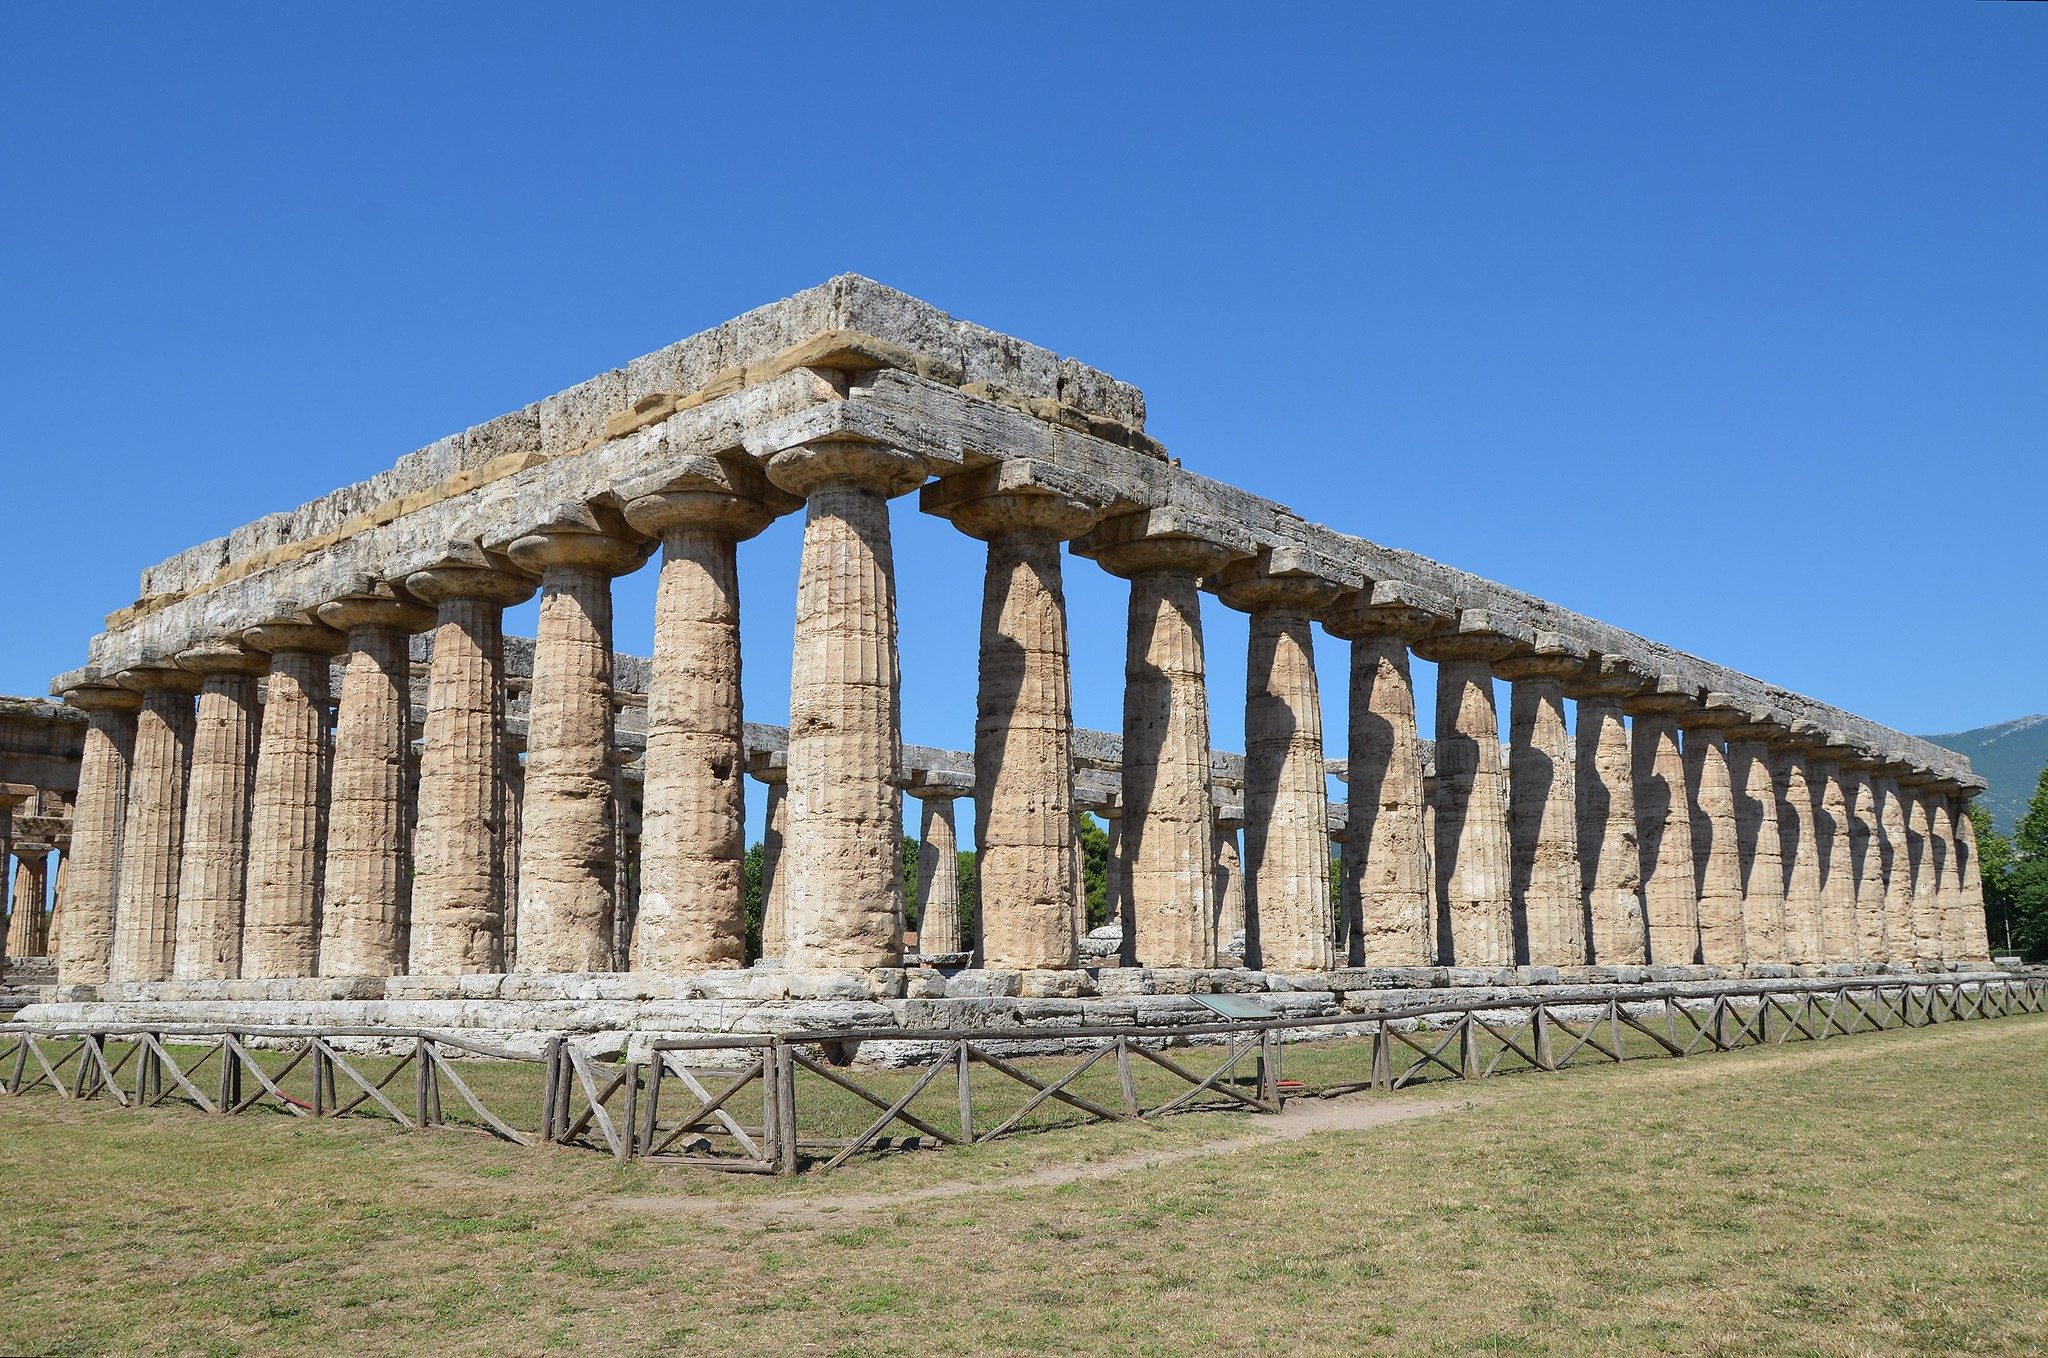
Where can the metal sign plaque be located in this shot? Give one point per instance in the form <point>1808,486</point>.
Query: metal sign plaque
<point>1234,1006</point>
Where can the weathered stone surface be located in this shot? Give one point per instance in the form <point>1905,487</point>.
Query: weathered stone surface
<point>1796,837</point>
<point>86,944</point>
<point>1760,857</point>
<point>1473,871</point>
<point>1610,852</point>
<point>1896,861</point>
<point>146,906</point>
<point>1716,861</point>
<point>1837,875</point>
<point>281,907</point>
<point>1924,877</point>
<point>844,903</point>
<point>938,878</point>
<point>1866,865</point>
<point>1975,933</point>
<point>213,859</point>
<point>1664,834</point>
<point>1546,886</point>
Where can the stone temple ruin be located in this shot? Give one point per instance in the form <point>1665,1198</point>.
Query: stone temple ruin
<point>318,784</point>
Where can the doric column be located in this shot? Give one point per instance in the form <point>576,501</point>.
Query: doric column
<point>86,945</point>
<point>1832,845</point>
<point>938,869</point>
<point>770,768</point>
<point>1894,858</point>
<point>1610,858</point>
<point>280,917</point>
<point>844,893</point>
<point>513,764</point>
<point>568,849</point>
<point>1923,870</point>
<point>212,876</point>
<point>1286,793</point>
<point>1473,878</point>
<point>1169,836</point>
<point>11,796</point>
<point>1664,823</point>
<point>1866,867</point>
<point>1759,856</point>
<point>1546,887</point>
<point>1115,899</point>
<point>1023,732</point>
<point>1975,927</point>
<point>146,907</point>
<point>1233,926</point>
<point>1799,844</point>
<point>458,887</point>
<point>364,870</point>
<point>1717,863</point>
<point>1948,894</point>
<point>1387,888</point>
<point>692,909</point>
<point>30,896</point>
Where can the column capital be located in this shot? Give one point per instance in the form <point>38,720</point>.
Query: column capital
<point>223,657</point>
<point>159,674</point>
<point>295,634</point>
<point>14,794</point>
<point>810,467</point>
<point>466,571</point>
<point>1717,712</point>
<point>579,535</point>
<point>1020,495</point>
<point>1760,725</point>
<point>1169,539</point>
<point>1608,677</point>
<point>1284,577</point>
<point>1393,608</point>
<point>102,698</point>
<point>1667,696</point>
<point>1478,634</point>
<point>373,603</point>
<point>939,784</point>
<point>728,496</point>
<point>1553,655</point>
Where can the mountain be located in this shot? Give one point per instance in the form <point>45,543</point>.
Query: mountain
<point>2010,757</point>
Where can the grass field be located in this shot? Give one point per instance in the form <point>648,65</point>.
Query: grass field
<point>1877,1195</point>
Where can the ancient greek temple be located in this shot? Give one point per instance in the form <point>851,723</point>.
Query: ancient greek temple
<point>312,758</point>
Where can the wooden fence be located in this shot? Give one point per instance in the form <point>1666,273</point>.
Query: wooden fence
<point>774,1104</point>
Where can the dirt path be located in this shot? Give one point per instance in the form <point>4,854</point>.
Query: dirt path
<point>1302,1117</point>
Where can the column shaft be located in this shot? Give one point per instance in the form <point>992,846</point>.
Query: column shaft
<point>1286,796</point>
<point>211,881</point>
<point>153,836</point>
<point>280,919</point>
<point>1232,925</point>
<point>938,879</point>
<point>1866,868</point>
<point>1895,860</point>
<point>1388,888</point>
<point>85,947</point>
<point>364,872</point>
<point>1923,874</point>
<point>1975,927</point>
<point>1610,854</point>
<point>1472,847</point>
<point>1549,896</point>
<point>774,893</point>
<point>1716,858</point>
<point>1760,857</point>
<point>1804,940</point>
<point>1664,832</point>
<point>1837,875</point>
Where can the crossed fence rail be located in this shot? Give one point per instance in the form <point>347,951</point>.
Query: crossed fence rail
<point>773,1104</point>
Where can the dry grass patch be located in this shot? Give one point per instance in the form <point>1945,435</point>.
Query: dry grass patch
<point>1877,1195</point>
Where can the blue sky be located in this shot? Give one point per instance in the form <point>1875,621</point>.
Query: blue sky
<point>1721,323</point>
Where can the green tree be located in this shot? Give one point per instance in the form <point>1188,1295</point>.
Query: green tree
<point>2022,873</point>
<point>1095,870</point>
<point>751,895</point>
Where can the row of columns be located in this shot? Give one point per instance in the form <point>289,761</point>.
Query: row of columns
<point>213,841</point>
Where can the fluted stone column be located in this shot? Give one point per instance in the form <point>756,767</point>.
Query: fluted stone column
<point>1610,857</point>
<point>844,892</point>
<point>1116,901</point>
<point>30,897</point>
<point>53,937</point>
<point>771,770</point>
<point>87,943</point>
<point>1387,884</point>
<point>1169,834</point>
<point>568,848</point>
<point>1895,857</point>
<point>1232,923</point>
<point>1032,911</point>
<point>1664,825</point>
<point>1759,856</point>
<point>1948,895</point>
<point>1866,865</point>
<point>1286,794</point>
<point>692,910</point>
<point>11,796</point>
<point>514,788</point>
<point>1715,842</point>
<point>280,917</point>
<point>1923,873</point>
<point>1975,927</point>
<point>364,871</point>
<point>212,878</point>
<point>152,838</point>
<point>938,872</point>
<point>1799,844</point>
<point>1547,890</point>
<point>1832,845</point>
<point>1473,878</point>
<point>458,888</point>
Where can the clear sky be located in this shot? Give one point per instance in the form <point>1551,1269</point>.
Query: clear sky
<point>1721,323</point>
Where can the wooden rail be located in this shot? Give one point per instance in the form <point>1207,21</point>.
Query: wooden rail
<point>767,1104</point>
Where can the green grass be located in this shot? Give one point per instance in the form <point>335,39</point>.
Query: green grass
<point>1883,1194</point>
